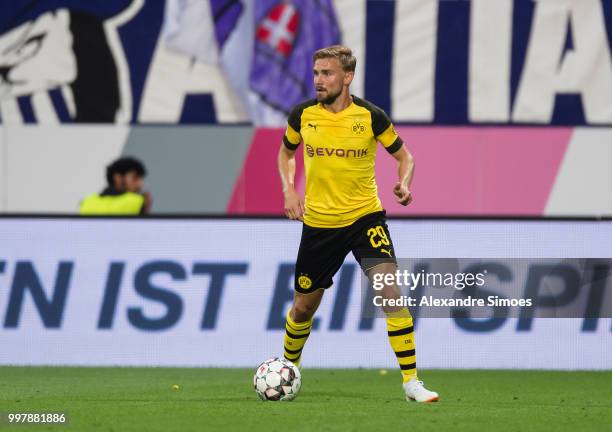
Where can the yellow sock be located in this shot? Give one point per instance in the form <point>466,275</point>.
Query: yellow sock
<point>296,335</point>
<point>401,337</point>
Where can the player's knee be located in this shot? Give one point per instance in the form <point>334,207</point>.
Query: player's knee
<point>383,269</point>
<point>302,311</point>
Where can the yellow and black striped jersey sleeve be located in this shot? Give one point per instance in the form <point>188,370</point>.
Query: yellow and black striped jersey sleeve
<point>384,131</point>
<point>293,136</point>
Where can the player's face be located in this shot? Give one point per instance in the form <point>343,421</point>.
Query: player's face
<point>329,79</point>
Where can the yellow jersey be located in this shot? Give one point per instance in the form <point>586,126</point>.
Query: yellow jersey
<point>339,158</point>
<point>127,203</point>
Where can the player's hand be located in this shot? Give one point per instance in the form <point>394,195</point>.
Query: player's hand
<point>404,196</point>
<point>294,206</point>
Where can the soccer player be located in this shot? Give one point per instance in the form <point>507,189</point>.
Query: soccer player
<point>341,212</point>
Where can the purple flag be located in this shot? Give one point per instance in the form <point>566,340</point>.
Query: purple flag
<point>225,15</point>
<point>287,33</point>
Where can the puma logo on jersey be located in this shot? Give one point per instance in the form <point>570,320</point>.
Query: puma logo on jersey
<point>314,126</point>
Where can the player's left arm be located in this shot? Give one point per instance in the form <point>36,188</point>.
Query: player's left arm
<point>405,172</point>
<point>385,134</point>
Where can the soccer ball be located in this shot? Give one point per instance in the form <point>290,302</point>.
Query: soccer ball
<point>277,379</point>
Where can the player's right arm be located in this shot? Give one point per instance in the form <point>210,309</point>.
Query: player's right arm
<point>294,204</point>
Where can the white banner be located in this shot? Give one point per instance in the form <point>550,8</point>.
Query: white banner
<point>215,292</point>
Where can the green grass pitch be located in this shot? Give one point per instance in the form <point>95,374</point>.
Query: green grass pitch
<point>142,399</point>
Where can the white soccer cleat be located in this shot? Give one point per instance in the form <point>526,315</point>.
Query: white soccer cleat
<point>416,391</point>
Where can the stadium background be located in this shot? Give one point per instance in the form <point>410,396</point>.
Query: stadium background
<point>505,105</point>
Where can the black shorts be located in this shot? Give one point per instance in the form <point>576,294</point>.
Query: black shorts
<point>322,250</point>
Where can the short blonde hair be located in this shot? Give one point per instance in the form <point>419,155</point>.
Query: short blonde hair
<point>340,52</point>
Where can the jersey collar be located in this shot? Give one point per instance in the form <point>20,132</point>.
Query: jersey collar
<point>339,113</point>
